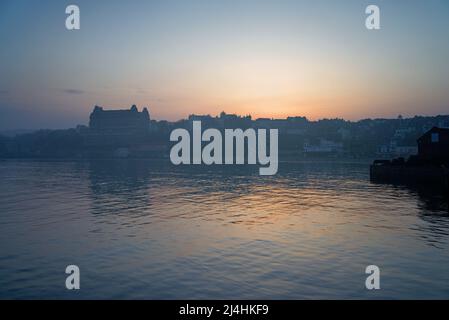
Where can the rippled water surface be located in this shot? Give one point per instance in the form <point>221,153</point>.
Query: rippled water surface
<point>145,229</point>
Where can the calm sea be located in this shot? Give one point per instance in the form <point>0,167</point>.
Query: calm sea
<point>147,229</point>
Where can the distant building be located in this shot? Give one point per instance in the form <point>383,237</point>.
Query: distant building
<point>265,123</point>
<point>121,122</point>
<point>394,150</point>
<point>233,121</point>
<point>117,128</point>
<point>344,134</point>
<point>325,146</point>
<point>401,133</point>
<point>298,120</point>
<point>404,151</point>
<point>444,124</point>
<point>224,120</point>
<point>207,121</point>
<point>434,145</point>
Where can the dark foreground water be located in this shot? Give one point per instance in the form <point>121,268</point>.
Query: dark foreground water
<point>142,229</point>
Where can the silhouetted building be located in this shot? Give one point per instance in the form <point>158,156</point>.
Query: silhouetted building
<point>119,121</point>
<point>434,145</point>
<point>429,167</point>
<point>116,129</point>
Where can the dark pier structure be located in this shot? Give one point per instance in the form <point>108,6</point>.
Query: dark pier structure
<point>430,167</point>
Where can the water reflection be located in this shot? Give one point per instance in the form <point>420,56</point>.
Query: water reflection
<point>432,208</point>
<point>119,186</point>
<point>239,195</point>
<point>162,231</point>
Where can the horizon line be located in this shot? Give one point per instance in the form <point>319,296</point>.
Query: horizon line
<point>399,117</point>
<point>268,118</point>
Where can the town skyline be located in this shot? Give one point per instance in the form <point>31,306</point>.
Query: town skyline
<point>212,116</point>
<point>131,132</point>
<point>264,58</point>
<point>217,116</point>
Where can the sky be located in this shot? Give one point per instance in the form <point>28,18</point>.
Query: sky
<point>272,59</point>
